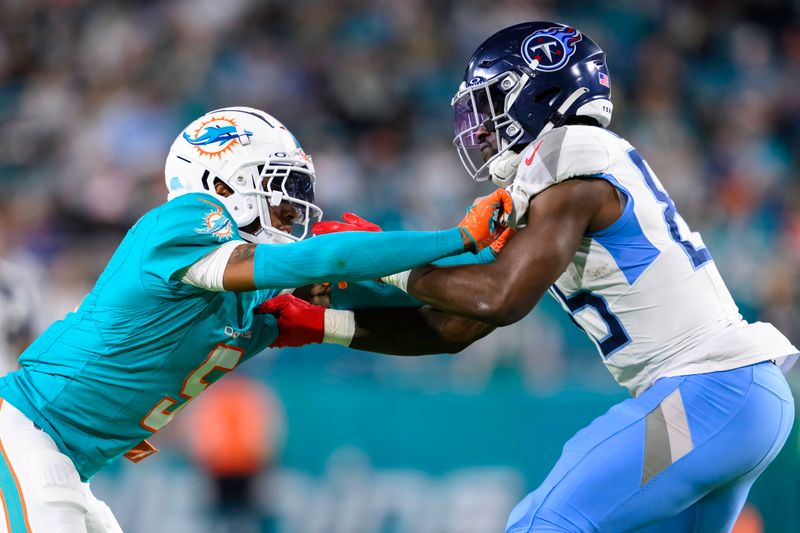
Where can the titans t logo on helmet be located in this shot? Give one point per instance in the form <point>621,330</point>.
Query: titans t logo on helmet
<point>552,47</point>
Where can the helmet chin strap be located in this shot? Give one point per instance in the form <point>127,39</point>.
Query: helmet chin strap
<point>264,236</point>
<point>557,117</point>
<point>503,168</point>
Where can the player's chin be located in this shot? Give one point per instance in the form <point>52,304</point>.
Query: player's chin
<point>487,151</point>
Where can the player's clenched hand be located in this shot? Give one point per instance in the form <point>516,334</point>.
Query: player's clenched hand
<point>317,294</point>
<point>349,222</point>
<point>320,294</point>
<point>482,223</point>
<point>501,241</point>
<point>299,322</point>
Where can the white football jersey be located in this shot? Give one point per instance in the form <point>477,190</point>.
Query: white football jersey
<point>644,289</point>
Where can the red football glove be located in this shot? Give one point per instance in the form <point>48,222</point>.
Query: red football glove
<point>350,222</point>
<point>299,322</point>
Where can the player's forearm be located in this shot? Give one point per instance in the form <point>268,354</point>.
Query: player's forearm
<point>507,289</point>
<point>338,257</point>
<point>360,295</point>
<point>374,294</point>
<point>350,256</point>
<point>488,293</point>
<point>421,331</point>
<point>463,290</point>
<point>481,258</point>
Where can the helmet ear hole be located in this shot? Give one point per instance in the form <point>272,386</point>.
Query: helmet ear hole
<point>222,188</point>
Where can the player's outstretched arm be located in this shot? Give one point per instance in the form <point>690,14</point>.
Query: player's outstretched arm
<point>504,291</point>
<point>343,257</point>
<point>394,331</point>
<point>352,256</point>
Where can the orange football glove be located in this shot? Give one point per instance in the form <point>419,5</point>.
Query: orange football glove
<point>501,241</point>
<point>482,223</point>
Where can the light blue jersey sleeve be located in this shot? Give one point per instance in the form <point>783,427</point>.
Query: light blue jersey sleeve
<point>184,230</point>
<point>374,294</point>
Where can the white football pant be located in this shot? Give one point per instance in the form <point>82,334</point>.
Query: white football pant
<point>40,487</point>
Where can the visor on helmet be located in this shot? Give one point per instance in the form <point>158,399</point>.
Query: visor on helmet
<point>283,180</point>
<point>485,105</point>
<point>286,182</point>
<point>296,189</point>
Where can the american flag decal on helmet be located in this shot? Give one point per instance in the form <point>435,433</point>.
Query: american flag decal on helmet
<point>603,79</point>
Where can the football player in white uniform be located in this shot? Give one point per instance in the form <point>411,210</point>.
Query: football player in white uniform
<point>597,230</point>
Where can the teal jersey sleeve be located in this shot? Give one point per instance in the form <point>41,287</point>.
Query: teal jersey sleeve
<point>370,295</point>
<point>183,231</point>
<point>350,256</point>
<point>374,294</point>
<point>481,258</point>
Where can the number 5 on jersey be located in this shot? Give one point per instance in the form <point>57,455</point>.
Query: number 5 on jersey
<point>615,337</point>
<point>222,358</point>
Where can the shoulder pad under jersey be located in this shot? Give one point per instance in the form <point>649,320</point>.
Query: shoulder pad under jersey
<point>186,229</point>
<point>559,154</point>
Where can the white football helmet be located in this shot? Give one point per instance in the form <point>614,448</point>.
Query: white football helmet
<point>257,158</point>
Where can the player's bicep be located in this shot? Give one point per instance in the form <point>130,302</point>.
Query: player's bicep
<point>238,274</point>
<point>558,218</point>
<point>208,271</point>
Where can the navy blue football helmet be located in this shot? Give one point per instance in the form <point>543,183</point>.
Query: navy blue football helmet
<point>522,82</point>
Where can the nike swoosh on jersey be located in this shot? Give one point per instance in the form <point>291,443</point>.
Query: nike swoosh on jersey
<point>529,160</point>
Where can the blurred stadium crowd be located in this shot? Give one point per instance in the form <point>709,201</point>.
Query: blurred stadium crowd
<point>92,93</point>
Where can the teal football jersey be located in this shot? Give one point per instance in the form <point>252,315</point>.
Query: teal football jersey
<point>142,344</point>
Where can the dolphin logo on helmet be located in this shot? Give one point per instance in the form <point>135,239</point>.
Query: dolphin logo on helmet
<point>251,164</point>
<point>219,135</point>
<point>212,134</point>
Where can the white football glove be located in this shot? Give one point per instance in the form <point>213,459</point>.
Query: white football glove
<point>503,168</point>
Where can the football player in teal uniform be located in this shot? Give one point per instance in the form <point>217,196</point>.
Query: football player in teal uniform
<point>173,311</point>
